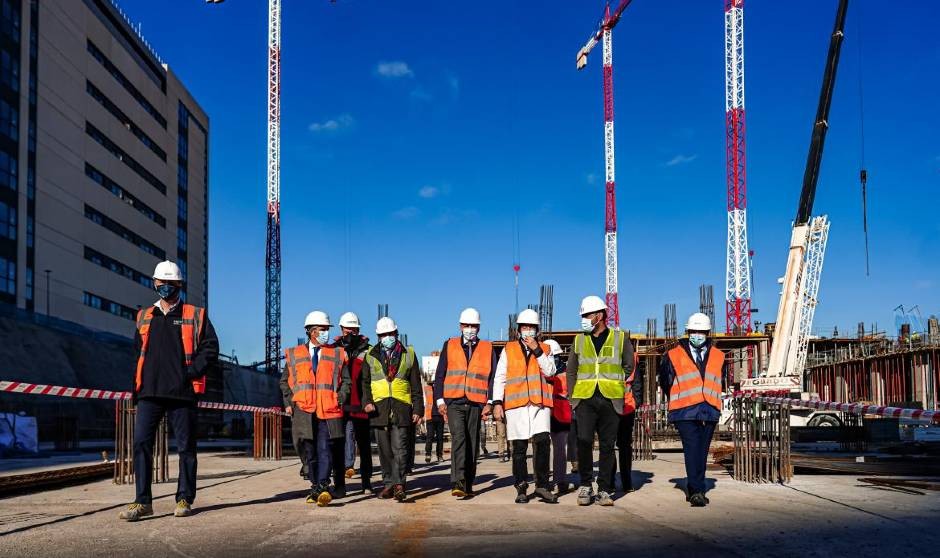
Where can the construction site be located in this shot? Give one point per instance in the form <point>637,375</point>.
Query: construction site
<point>826,439</point>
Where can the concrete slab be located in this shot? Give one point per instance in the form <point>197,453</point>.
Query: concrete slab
<point>257,509</point>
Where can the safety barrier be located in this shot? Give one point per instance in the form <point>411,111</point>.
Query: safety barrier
<point>267,426</point>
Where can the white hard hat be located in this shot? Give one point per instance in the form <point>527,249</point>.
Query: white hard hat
<point>591,304</point>
<point>317,318</point>
<point>528,317</point>
<point>385,325</point>
<point>699,322</point>
<point>167,271</point>
<point>470,316</point>
<point>349,319</point>
<point>554,346</point>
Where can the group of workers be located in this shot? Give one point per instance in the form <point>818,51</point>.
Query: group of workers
<point>342,391</point>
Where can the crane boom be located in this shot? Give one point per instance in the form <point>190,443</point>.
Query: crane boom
<point>793,314</point>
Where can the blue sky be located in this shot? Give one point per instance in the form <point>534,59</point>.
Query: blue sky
<point>412,133</point>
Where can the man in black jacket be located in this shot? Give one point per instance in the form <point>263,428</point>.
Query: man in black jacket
<point>391,394</point>
<point>177,346</point>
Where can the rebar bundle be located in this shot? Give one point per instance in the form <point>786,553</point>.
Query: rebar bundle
<point>761,436</point>
<point>267,436</point>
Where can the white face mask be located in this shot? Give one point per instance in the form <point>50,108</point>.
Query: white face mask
<point>469,333</point>
<point>587,325</point>
<point>527,333</point>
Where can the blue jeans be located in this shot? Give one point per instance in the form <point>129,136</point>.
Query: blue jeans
<point>696,438</point>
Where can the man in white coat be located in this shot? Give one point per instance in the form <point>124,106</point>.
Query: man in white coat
<point>522,393</point>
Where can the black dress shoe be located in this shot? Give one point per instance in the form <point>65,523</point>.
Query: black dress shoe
<point>521,497</point>
<point>698,500</point>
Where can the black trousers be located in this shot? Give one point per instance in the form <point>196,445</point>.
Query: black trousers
<point>625,450</point>
<point>696,438</point>
<point>597,415</point>
<point>464,422</point>
<point>541,452</point>
<point>182,417</point>
<point>435,435</point>
<point>358,428</point>
<point>393,453</point>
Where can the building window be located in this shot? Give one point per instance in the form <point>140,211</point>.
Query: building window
<point>8,170</point>
<point>9,121</point>
<point>109,263</point>
<point>29,283</point>
<point>7,276</point>
<point>181,238</point>
<point>100,303</point>
<point>105,141</point>
<point>128,198</point>
<point>125,120</point>
<point>97,217</point>
<point>7,221</point>
<point>120,78</point>
<point>10,70</point>
<point>10,20</point>
<point>29,231</point>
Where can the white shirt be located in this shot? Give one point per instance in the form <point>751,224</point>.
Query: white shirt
<point>524,422</point>
<point>700,353</point>
<point>168,310</point>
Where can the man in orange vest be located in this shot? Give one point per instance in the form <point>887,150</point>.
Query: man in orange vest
<point>358,435</point>
<point>315,385</point>
<point>177,346</point>
<point>561,420</point>
<point>632,399</point>
<point>435,426</point>
<point>463,389</point>
<point>522,393</point>
<point>691,375</point>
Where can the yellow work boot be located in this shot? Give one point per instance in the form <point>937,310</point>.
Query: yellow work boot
<point>135,511</point>
<point>183,509</point>
<point>324,498</point>
<point>350,472</point>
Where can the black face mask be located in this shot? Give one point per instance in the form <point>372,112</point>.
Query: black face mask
<point>350,340</point>
<point>560,365</point>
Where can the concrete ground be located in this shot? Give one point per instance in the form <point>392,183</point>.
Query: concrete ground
<point>257,509</point>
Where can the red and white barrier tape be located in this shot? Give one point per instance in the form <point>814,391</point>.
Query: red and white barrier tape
<point>84,393</point>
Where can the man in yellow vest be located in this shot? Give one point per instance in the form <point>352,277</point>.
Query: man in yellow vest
<point>177,345</point>
<point>315,385</point>
<point>691,375</point>
<point>391,394</point>
<point>600,362</point>
<point>522,392</point>
<point>463,391</point>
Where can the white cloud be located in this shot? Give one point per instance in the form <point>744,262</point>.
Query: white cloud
<point>394,69</point>
<point>404,213</point>
<point>428,192</point>
<point>681,159</point>
<point>341,122</point>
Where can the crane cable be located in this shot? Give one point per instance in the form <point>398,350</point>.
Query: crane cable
<point>863,172</point>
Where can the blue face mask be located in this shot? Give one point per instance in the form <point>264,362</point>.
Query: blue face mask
<point>388,341</point>
<point>323,337</point>
<point>587,325</point>
<point>166,291</point>
<point>697,339</point>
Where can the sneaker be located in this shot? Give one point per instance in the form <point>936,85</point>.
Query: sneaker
<point>350,472</point>
<point>183,509</point>
<point>325,497</point>
<point>386,493</point>
<point>698,500</point>
<point>604,499</point>
<point>546,495</point>
<point>458,490</point>
<point>135,511</point>
<point>521,490</point>
<point>585,496</point>
<point>399,491</point>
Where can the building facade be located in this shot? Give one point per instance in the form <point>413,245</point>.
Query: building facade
<point>103,166</point>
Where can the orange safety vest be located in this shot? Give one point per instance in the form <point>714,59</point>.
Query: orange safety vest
<point>428,401</point>
<point>525,383</point>
<point>689,388</point>
<point>629,402</point>
<point>191,330</point>
<point>470,380</point>
<point>561,407</point>
<point>315,392</point>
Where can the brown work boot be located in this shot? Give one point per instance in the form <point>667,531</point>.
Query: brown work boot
<point>386,493</point>
<point>399,491</point>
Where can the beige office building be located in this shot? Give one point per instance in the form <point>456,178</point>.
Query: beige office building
<point>103,166</point>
